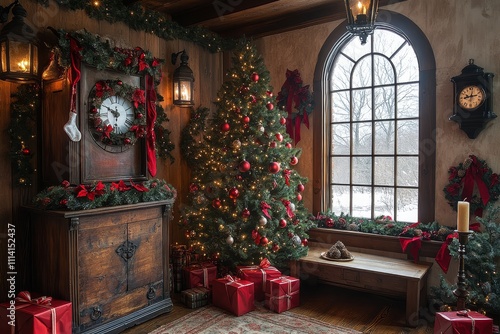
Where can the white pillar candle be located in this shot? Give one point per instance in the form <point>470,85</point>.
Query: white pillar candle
<point>463,216</point>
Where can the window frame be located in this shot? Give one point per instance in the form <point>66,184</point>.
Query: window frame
<point>427,111</point>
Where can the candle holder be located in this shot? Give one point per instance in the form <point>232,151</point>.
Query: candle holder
<point>461,292</point>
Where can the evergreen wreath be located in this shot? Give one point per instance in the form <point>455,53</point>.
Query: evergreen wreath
<point>107,88</point>
<point>473,172</point>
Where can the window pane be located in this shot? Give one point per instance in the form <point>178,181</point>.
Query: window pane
<point>384,202</point>
<point>355,50</point>
<point>341,73</point>
<point>362,138</point>
<point>406,64</point>
<point>384,137</point>
<point>407,137</point>
<point>341,109</point>
<point>408,100</point>
<point>341,170</point>
<point>341,143</point>
<point>362,74</point>
<point>407,202</point>
<point>385,102</point>
<point>361,202</point>
<point>384,171</point>
<point>340,199</point>
<point>407,174</point>
<point>386,42</point>
<point>384,72</point>
<point>362,170</point>
<point>362,105</point>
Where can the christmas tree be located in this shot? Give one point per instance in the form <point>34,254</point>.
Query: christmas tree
<point>245,201</point>
<point>481,269</point>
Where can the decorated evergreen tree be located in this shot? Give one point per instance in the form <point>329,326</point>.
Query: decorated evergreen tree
<point>245,197</point>
<point>481,269</point>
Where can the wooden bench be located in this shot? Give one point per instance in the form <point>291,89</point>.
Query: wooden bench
<point>371,273</point>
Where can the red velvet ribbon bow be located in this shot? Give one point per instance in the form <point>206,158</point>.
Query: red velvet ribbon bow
<point>415,242</point>
<point>289,211</point>
<point>287,174</point>
<point>265,263</point>
<point>150,123</point>
<point>264,207</point>
<point>474,174</point>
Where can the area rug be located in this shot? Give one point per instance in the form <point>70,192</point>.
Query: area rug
<point>213,320</point>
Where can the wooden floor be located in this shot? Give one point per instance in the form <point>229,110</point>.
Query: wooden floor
<point>360,311</point>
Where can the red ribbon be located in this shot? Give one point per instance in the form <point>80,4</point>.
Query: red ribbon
<point>151,119</point>
<point>289,211</point>
<point>475,174</point>
<point>74,73</point>
<point>287,174</point>
<point>264,207</point>
<point>416,243</point>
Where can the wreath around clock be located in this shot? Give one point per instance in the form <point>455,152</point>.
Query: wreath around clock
<point>464,178</point>
<point>104,89</point>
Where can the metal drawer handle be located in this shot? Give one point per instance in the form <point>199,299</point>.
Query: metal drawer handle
<point>151,293</point>
<point>126,250</point>
<point>96,313</point>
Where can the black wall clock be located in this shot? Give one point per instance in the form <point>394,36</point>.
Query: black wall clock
<point>472,99</point>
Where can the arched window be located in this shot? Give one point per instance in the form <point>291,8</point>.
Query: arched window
<point>374,139</point>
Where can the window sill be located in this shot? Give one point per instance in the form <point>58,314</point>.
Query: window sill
<point>377,242</point>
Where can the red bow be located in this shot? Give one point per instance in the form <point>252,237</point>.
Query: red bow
<point>25,297</point>
<point>264,206</point>
<point>289,211</point>
<point>139,186</point>
<point>287,174</point>
<point>265,263</point>
<point>475,174</point>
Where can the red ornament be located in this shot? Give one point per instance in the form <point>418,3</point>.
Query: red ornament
<point>255,234</point>
<point>119,82</point>
<point>264,241</point>
<point>216,203</point>
<point>26,151</point>
<point>244,89</point>
<point>246,119</point>
<point>282,120</point>
<point>225,127</point>
<point>127,141</point>
<point>269,106</point>
<point>288,145</point>
<point>282,223</point>
<point>234,193</point>
<point>255,77</point>
<point>237,110</point>
<point>305,242</point>
<point>329,222</point>
<point>238,177</point>
<point>245,213</point>
<point>93,110</point>
<point>300,187</point>
<point>299,197</point>
<point>272,144</point>
<point>139,116</point>
<point>269,93</point>
<point>257,240</point>
<point>244,166</point>
<point>276,248</point>
<point>274,167</point>
<point>294,160</point>
<point>279,136</point>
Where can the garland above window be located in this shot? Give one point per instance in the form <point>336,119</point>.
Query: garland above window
<point>138,18</point>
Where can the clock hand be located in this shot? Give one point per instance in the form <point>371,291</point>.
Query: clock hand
<point>114,112</point>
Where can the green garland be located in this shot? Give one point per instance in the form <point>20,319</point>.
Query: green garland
<point>382,225</point>
<point>22,130</point>
<point>98,194</point>
<point>140,19</point>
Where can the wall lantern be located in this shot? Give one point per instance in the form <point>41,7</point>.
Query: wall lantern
<point>183,81</point>
<point>361,15</point>
<point>18,46</point>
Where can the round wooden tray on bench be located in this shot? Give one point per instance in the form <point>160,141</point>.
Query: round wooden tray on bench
<point>323,256</point>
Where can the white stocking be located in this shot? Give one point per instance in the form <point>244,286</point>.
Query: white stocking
<point>70,128</point>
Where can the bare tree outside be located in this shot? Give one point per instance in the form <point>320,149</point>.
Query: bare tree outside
<point>375,128</point>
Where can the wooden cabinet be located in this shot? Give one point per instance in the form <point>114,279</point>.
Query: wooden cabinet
<point>111,263</point>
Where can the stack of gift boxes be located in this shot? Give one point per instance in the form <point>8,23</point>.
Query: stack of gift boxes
<point>238,293</point>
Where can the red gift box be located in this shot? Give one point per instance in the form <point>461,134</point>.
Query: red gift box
<point>259,275</point>
<point>233,294</point>
<point>42,315</point>
<point>282,293</point>
<point>202,274</point>
<point>462,323</point>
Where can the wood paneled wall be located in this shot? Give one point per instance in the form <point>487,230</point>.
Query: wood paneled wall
<point>208,72</point>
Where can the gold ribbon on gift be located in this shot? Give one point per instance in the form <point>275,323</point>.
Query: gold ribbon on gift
<point>44,301</point>
<point>288,295</point>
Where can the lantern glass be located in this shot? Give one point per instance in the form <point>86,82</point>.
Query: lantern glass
<point>361,15</point>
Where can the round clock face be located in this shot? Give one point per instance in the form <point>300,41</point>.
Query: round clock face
<point>471,97</point>
<point>116,115</point>
<point>117,112</point>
